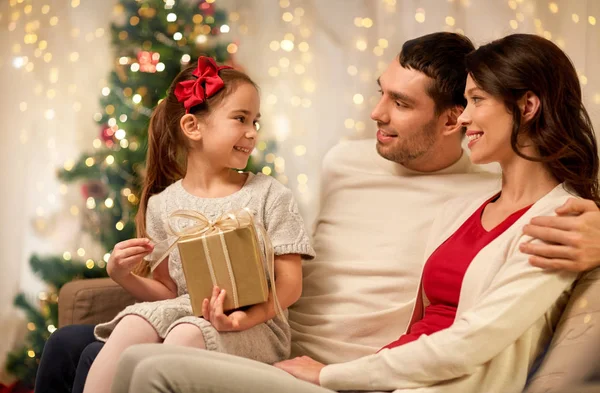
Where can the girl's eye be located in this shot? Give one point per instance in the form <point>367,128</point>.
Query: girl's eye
<point>242,119</point>
<point>475,100</point>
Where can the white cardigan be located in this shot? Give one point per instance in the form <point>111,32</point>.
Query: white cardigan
<point>506,315</point>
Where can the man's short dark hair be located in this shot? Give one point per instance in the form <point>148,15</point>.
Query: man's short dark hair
<point>440,56</point>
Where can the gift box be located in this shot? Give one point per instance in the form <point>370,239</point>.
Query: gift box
<point>225,252</point>
<point>230,259</point>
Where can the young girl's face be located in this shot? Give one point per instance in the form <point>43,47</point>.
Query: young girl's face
<point>231,129</point>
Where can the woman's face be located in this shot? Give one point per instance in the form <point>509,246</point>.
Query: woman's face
<point>489,125</point>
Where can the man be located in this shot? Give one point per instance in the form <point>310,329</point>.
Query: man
<point>377,208</point>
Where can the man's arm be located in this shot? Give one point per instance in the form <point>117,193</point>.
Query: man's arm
<point>572,239</point>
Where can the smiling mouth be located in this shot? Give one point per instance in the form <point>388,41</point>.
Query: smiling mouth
<point>474,136</point>
<point>242,149</point>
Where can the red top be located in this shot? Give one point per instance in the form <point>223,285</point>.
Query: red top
<point>445,269</point>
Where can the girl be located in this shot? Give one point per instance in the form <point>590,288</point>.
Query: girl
<point>483,314</point>
<point>205,127</point>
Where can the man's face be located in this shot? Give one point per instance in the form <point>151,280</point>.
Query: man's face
<point>407,126</point>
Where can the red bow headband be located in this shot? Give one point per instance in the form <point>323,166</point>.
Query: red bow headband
<point>195,91</point>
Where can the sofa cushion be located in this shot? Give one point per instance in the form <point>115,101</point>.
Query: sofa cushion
<point>574,353</point>
<point>91,301</point>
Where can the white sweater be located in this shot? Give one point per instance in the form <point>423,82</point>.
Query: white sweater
<point>370,239</point>
<point>506,314</point>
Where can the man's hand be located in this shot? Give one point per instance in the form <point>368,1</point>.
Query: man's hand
<point>303,368</point>
<point>572,238</point>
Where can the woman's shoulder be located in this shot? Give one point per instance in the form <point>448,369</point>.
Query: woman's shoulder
<point>552,200</point>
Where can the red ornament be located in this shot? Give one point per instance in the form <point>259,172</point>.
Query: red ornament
<point>148,61</point>
<point>107,134</point>
<point>207,8</point>
<point>95,189</point>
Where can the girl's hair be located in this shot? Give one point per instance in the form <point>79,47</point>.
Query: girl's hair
<point>166,157</point>
<point>561,130</point>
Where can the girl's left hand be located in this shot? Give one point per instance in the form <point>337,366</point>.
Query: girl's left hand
<point>212,311</point>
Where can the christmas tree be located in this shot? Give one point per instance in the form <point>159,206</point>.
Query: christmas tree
<point>152,41</point>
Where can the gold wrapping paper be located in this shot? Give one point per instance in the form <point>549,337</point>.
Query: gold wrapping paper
<point>230,260</point>
<point>215,247</point>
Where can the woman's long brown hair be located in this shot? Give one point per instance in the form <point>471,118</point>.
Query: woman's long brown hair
<point>561,130</point>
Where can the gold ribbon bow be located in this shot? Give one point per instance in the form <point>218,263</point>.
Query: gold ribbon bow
<point>204,227</point>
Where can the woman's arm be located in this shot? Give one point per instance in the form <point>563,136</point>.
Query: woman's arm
<point>518,296</point>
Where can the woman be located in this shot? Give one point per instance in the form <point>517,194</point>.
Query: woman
<point>525,112</point>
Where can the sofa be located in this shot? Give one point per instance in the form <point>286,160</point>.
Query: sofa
<point>571,363</point>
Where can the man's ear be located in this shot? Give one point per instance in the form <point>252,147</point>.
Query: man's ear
<point>451,123</point>
<point>192,127</point>
<point>529,105</point>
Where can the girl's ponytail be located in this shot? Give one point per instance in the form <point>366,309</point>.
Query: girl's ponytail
<point>165,164</point>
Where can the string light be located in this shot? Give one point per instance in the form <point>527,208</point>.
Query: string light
<point>300,150</point>
<point>303,47</point>
<point>420,15</point>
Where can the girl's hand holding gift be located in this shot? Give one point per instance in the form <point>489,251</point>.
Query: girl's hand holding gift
<point>125,257</point>
<point>212,311</point>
